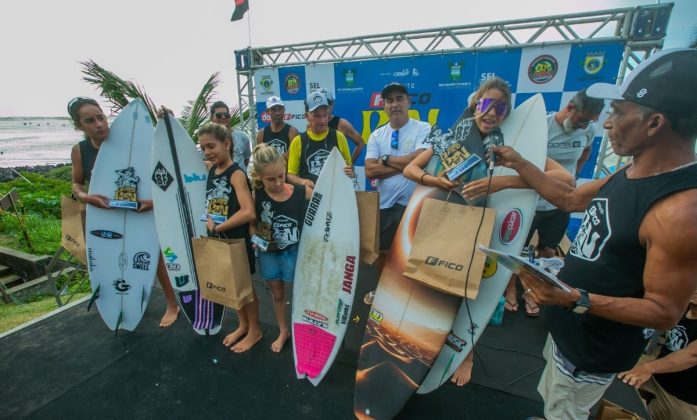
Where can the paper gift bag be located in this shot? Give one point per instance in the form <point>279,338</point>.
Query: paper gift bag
<point>223,273</point>
<point>369,222</point>
<point>443,246</point>
<point>611,411</point>
<point>73,228</point>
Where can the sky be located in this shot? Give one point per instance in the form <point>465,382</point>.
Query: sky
<point>170,47</point>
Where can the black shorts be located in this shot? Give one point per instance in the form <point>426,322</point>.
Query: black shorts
<point>550,226</point>
<point>389,222</point>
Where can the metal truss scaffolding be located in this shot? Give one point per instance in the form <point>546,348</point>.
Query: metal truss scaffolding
<point>641,29</point>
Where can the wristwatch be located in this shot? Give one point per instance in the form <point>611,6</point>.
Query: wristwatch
<point>583,304</point>
<point>384,159</point>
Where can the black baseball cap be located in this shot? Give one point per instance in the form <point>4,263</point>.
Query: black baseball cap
<point>393,87</point>
<point>665,82</point>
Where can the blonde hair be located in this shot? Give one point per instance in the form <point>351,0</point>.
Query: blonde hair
<point>219,131</point>
<point>492,83</point>
<point>262,155</point>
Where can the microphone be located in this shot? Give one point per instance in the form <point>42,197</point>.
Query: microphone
<point>495,139</point>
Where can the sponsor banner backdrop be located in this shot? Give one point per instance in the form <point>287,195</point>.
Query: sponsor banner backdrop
<point>440,85</point>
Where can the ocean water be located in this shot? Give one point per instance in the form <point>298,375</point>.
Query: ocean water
<point>31,141</point>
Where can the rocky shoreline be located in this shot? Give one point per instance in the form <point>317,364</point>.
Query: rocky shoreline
<point>7,174</point>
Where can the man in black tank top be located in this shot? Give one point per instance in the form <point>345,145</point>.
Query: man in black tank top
<point>342,124</point>
<point>632,265</point>
<point>277,134</point>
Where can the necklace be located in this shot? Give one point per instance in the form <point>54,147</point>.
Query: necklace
<point>685,165</point>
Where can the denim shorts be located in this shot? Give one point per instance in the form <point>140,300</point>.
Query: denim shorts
<point>278,265</point>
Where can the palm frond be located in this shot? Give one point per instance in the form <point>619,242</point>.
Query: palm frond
<point>195,114</point>
<point>118,92</point>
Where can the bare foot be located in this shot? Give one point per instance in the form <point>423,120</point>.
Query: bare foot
<point>169,317</point>
<point>232,338</point>
<point>463,374</point>
<point>277,345</point>
<point>253,336</point>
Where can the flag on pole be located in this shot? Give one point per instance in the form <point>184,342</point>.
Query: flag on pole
<point>241,7</point>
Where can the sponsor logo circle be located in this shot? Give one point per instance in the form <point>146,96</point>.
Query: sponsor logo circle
<point>543,69</point>
<point>490,268</point>
<point>510,226</point>
<point>292,83</point>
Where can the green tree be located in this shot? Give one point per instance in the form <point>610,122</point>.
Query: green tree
<point>119,93</point>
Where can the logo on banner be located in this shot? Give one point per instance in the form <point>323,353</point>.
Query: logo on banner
<point>593,62</point>
<point>266,83</point>
<point>455,70</point>
<point>292,83</point>
<point>543,69</point>
<point>350,77</point>
<point>454,77</point>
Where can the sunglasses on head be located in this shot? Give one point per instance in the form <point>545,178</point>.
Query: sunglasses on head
<point>76,100</point>
<point>484,105</point>
<point>394,143</point>
<point>221,115</point>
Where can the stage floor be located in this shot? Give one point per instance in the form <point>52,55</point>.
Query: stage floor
<point>70,365</point>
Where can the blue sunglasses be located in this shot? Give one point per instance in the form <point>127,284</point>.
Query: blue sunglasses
<point>395,140</point>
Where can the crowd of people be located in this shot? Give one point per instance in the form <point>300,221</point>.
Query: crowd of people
<point>629,269</point>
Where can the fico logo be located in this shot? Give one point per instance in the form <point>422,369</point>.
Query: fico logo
<point>416,99</point>
<point>435,261</point>
<point>510,226</point>
<point>266,118</point>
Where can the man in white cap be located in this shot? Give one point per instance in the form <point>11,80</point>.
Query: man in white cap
<point>277,134</point>
<point>343,125</point>
<point>309,150</point>
<point>632,265</point>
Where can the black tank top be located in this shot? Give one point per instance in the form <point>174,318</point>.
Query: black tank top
<point>607,258</point>
<point>88,155</point>
<point>279,140</point>
<point>285,217</point>
<point>680,384</point>
<point>313,154</point>
<point>221,199</point>
<point>334,122</point>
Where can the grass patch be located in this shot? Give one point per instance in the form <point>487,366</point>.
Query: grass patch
<point>13,315</point>
<point>44,232</point>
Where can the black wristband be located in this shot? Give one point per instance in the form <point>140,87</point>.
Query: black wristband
<point>421,180</point>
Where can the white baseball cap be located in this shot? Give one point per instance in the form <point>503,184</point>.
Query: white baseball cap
<point>273,101</point>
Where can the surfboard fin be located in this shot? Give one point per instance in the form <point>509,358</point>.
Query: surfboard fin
<point>95,296</point>
<point>142,299</point>
<point>118,323</point>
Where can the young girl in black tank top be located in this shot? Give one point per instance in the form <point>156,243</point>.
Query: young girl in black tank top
<point>228,198</point>
<point>281,210</point>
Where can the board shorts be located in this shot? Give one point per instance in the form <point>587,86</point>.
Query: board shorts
<point>389,222</point>
<point>550,226</point>
<point>569,392</point>
<point>279,265</point>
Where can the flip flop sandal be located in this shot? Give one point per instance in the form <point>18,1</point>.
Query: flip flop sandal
<point>532,310</point>
<point>511,306</point>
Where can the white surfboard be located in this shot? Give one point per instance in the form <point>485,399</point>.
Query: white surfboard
<point>326,271</point>
<point>525,130</point>
<point>122,246</point>
<point>179,197</point>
